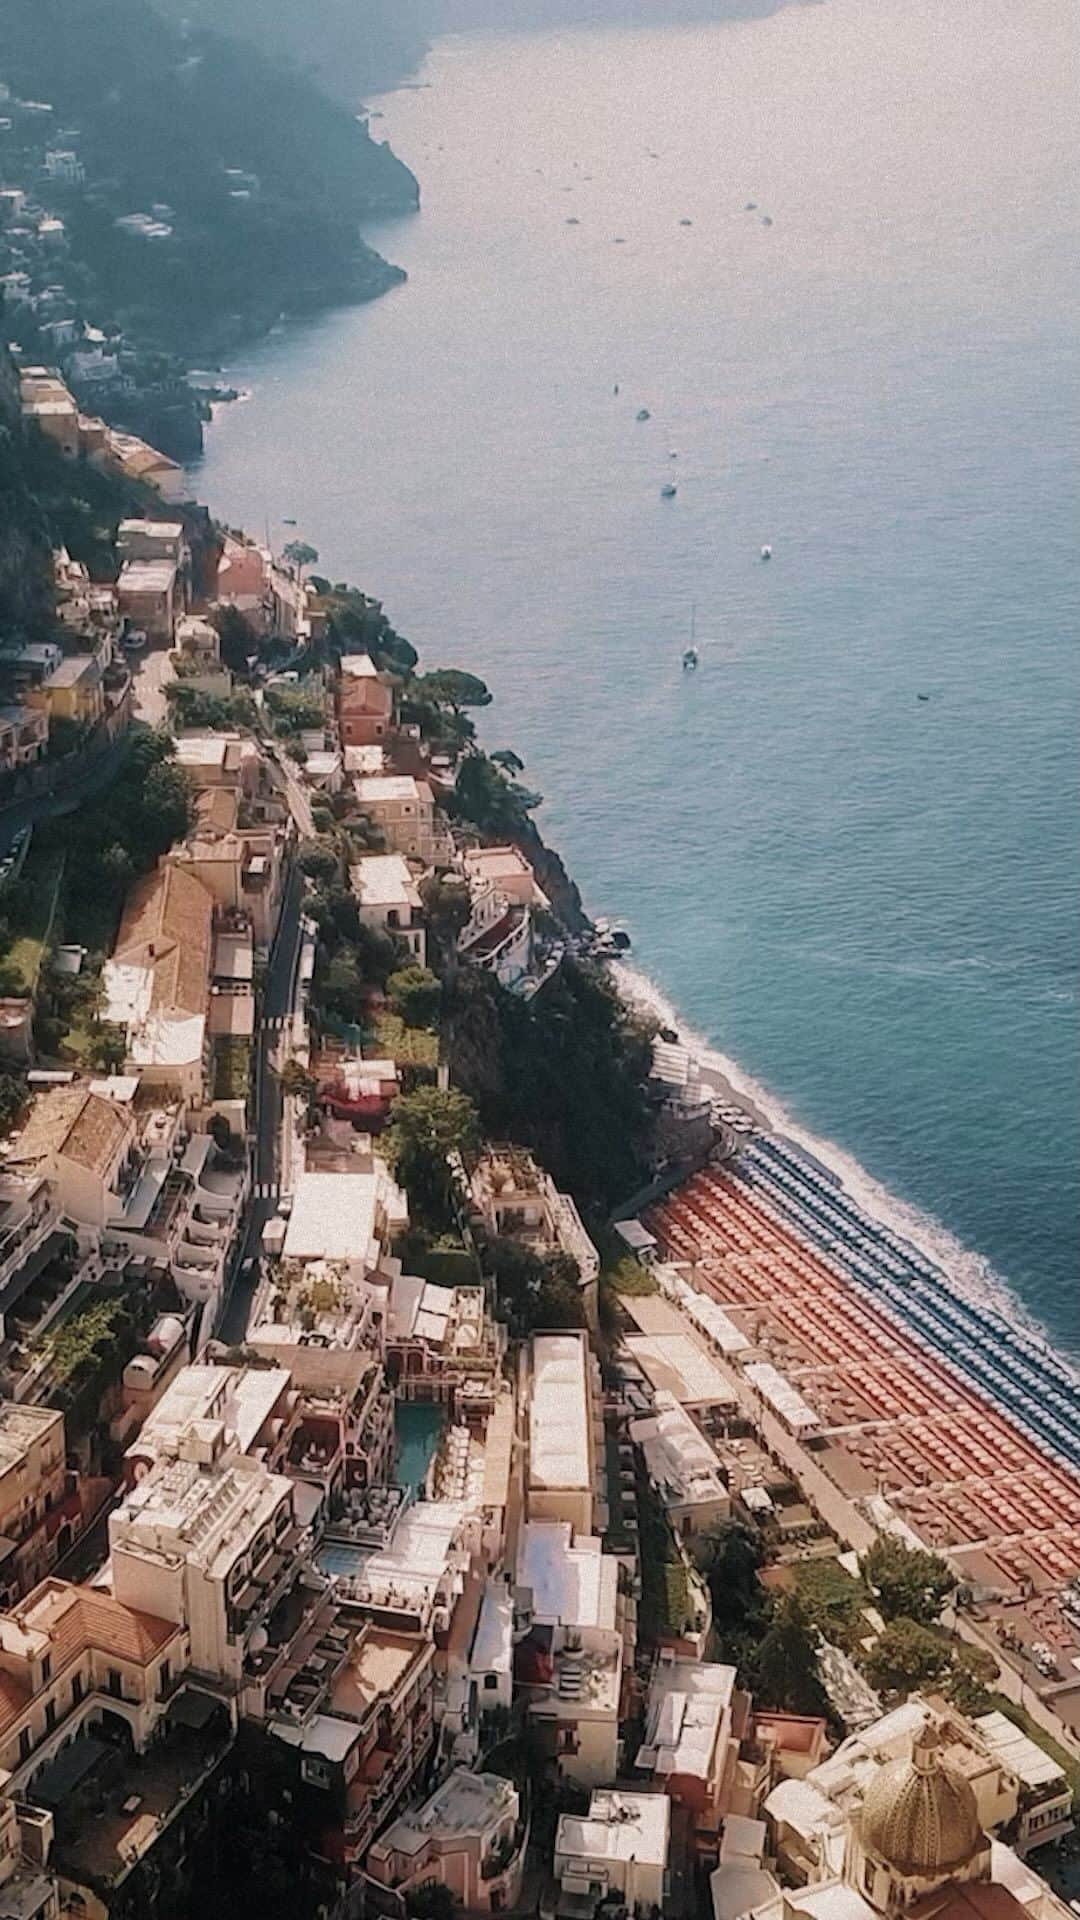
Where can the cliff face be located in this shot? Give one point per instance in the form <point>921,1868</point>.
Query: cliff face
<point>258,178</point>
<point>350,48</point>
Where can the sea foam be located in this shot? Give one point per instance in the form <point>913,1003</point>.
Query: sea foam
<point>969,1274</point>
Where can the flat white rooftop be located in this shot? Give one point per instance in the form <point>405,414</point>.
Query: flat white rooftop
<point>243,1397</point>
<point>465,1803</point>
<point>674,1363</point>
<point>169,530</point>
<point>386,787</point>
<point>689,1702</point>
<point>493,1642</point>
<point>384,880</point>
<point>573,1582</point>
<point>334,1216</point>
<point>147,576</point>
<point>1031,1764</point>
<point>409,1570</point>
<point>618,1826</point>
<point>559,1412</point>
<point>680,1461</point>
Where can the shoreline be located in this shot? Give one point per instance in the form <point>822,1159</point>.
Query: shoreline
<point>967,1273</point>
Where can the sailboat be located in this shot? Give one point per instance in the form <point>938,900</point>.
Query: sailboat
<point>690,657</point>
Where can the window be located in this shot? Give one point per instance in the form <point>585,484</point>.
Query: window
<point>115,1684</point>
<point>46,1670</point>
<point>50,1715</point>
<point>491,1681</point>
<point>77,1689</point>
<point>24,1744</point>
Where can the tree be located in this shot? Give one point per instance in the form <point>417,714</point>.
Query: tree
<point>415,995</point>
<point>730,1556</point>
<point>973,1675</point>
<point>449,687</point>
<point>535,1290</point>
<point>65,735</point>
<point>484,794</point>
<point>342,988</point>
<point>118,864</point>
<point>294,1078</point>
<point>426,1127</point>
<point>907,1657</point>
<point>447,904</point>
<point>166,807</point>
<point>300,555</point>
<point>508,760</point>
<point>319,860</point>
<point>109,1047</point>
<point>908,1582</point>
<point>785,1670</point>
<point>13,1098</point>
<point>237,639</point>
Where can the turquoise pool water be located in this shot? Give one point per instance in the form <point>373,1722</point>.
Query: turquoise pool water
<point>417,1427</point>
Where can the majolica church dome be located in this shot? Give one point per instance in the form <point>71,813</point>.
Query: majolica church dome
<point>918,1829</point>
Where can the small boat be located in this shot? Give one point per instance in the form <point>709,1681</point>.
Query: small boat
<point>922,696</point>
<point>668,490</point>
<point>288,523</point>
<point>766,553</point>
<point>643,413</point>
<point>690,657</point>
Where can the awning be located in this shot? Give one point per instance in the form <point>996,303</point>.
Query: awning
<point>191,1708</point>
<point>70,1768</point>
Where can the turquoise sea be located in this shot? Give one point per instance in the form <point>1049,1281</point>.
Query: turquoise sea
<point>867,900</point>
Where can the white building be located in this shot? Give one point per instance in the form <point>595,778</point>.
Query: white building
<point>690,1748</point>
<point>683,1467</point>
<point>563,1430</point>
<point>619,1847</point>
<point>468,1836</point>
<point>347,1217</point>
<point>570,1640</point>
<point>388,898</point>
<point>208,1540</point>
<point>253,1403</point>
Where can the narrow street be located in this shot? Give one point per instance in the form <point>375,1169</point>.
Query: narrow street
<point>277,1001</point>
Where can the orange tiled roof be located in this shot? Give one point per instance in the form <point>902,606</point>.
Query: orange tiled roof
<point>86,1127</point>
<point>14,1696</point>
<point>99,1134</point>
<point>216,808</point>
<point>969,1900</point>
<point>167,925</point>
<point>76,1619</point>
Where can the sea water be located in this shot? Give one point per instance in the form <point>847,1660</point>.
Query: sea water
<point>832,251</point>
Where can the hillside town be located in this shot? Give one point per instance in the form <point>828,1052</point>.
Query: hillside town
<point>416,1502</point>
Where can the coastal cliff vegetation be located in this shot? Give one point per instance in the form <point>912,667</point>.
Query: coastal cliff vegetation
<point>259,179</point>
<point>46,502</point>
